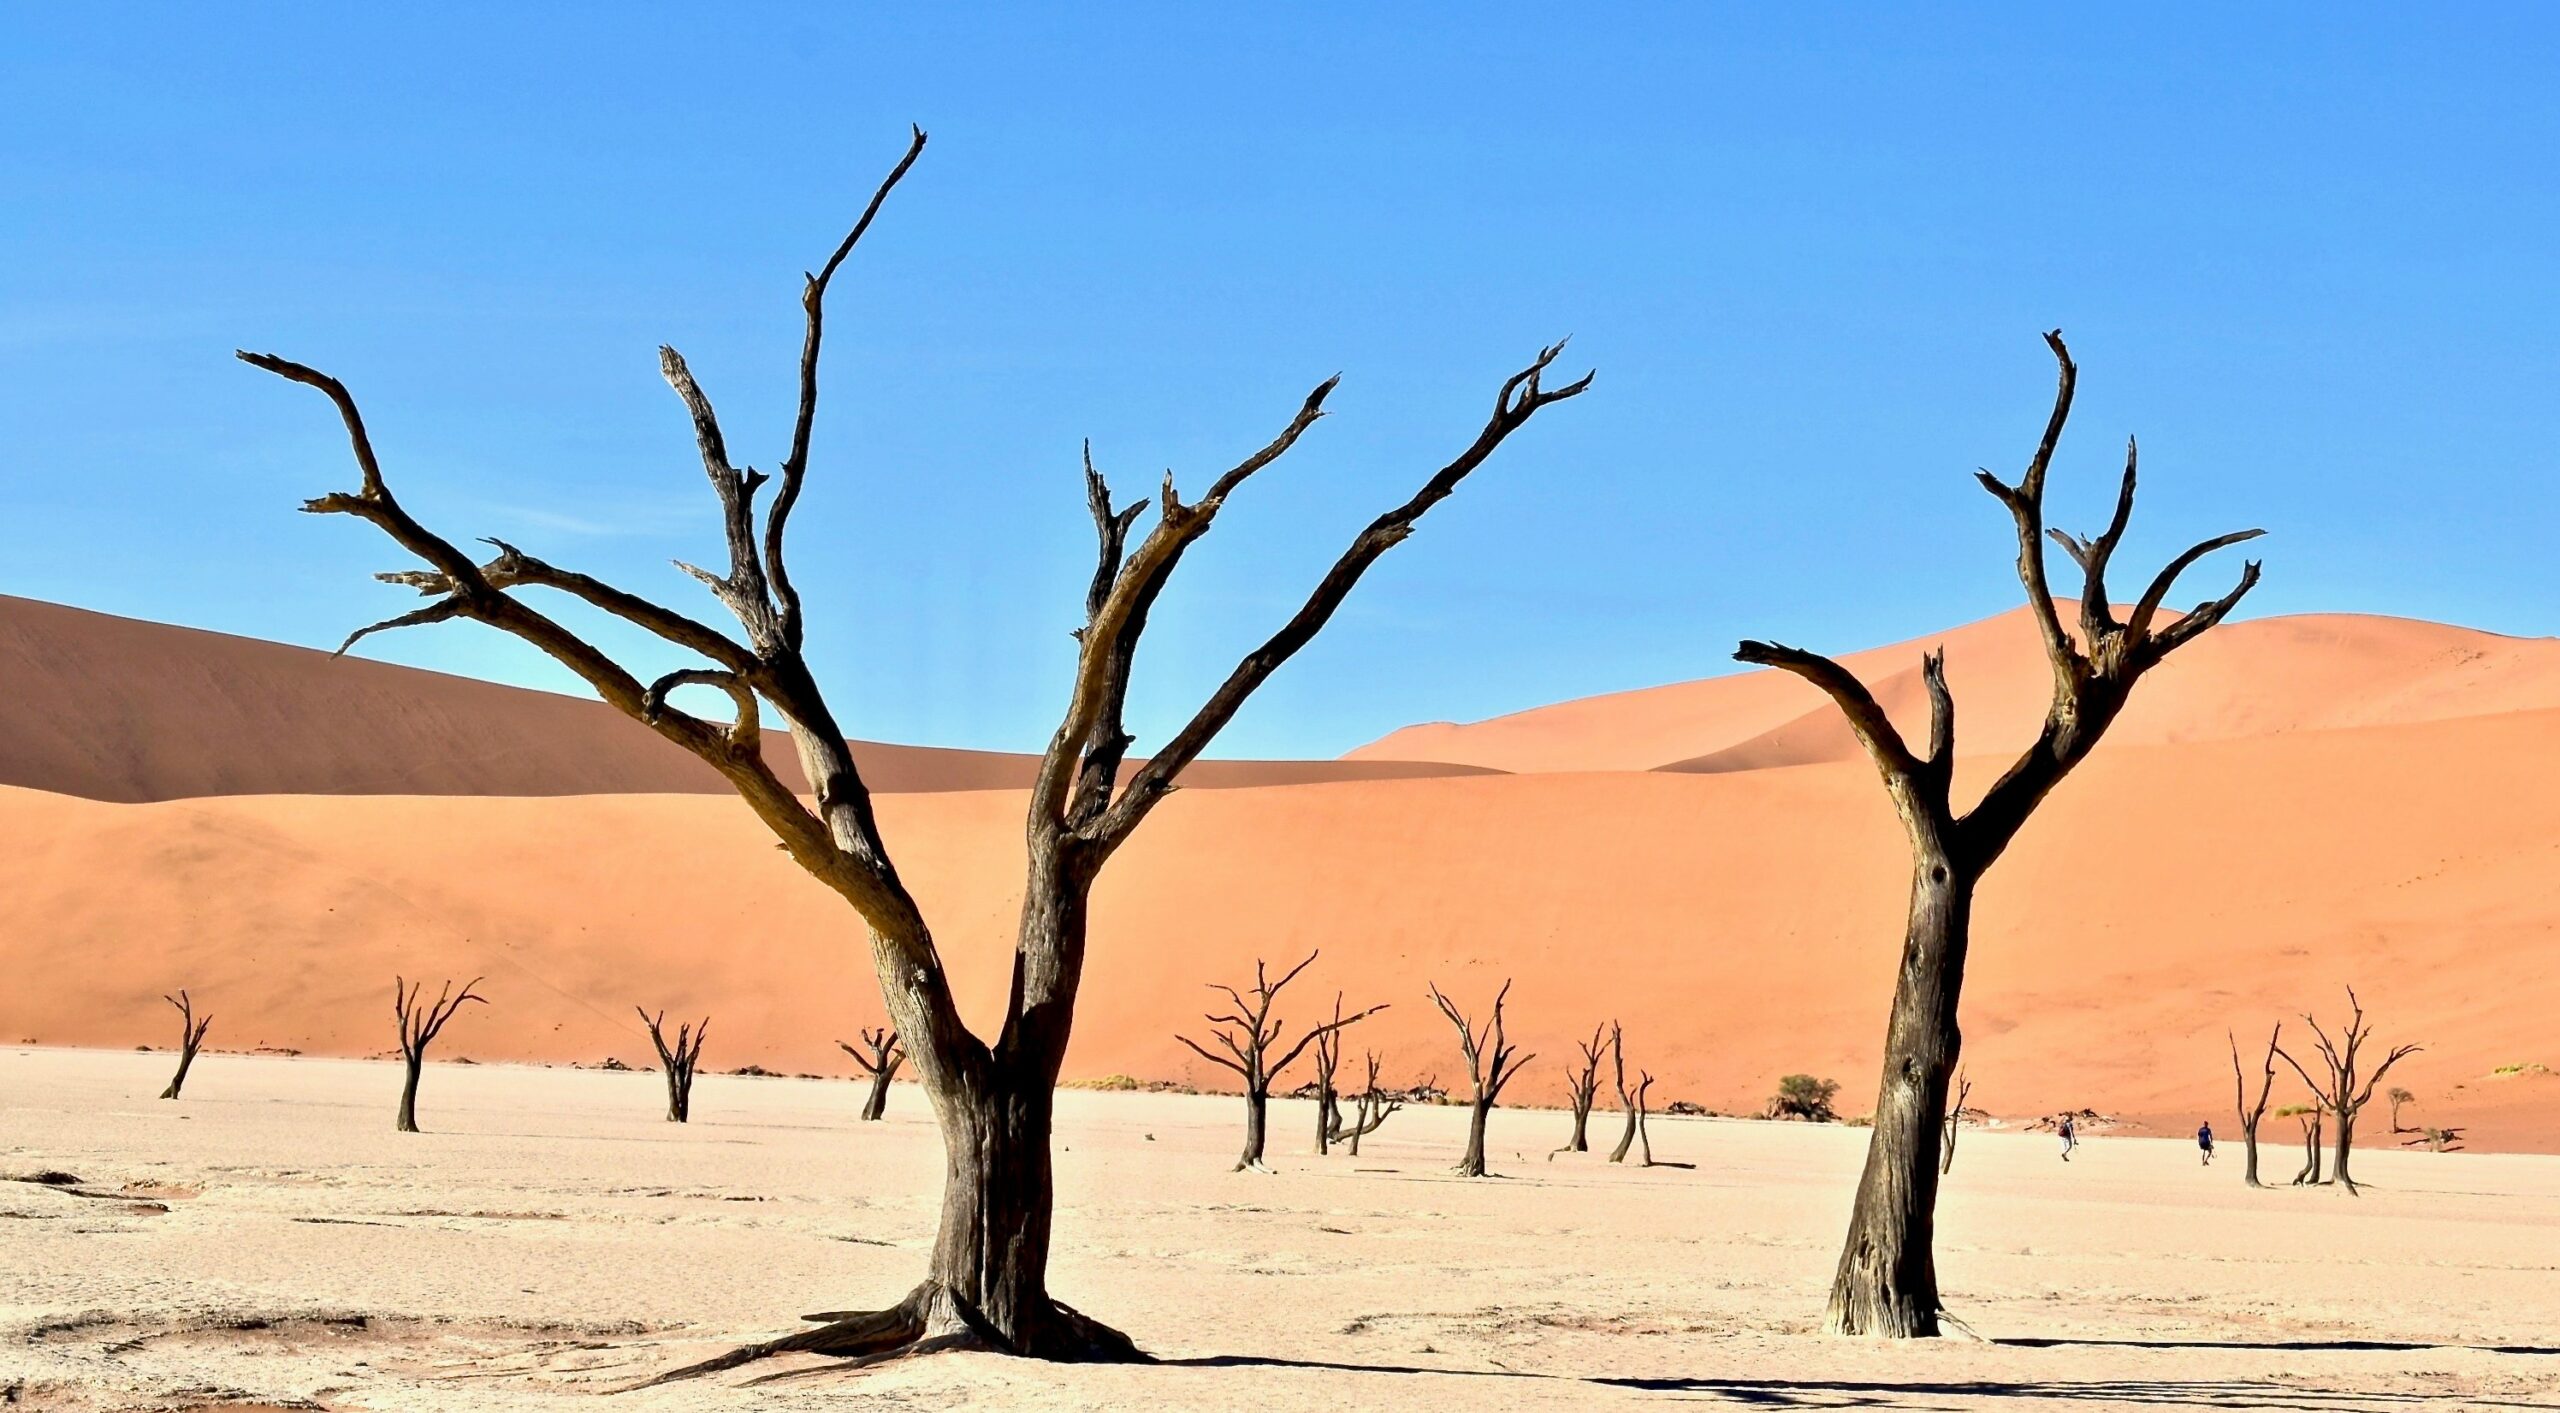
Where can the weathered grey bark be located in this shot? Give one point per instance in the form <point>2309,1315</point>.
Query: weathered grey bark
<point>2337,1090</point>
<point>1490,1066</point>
<point>1626,1096</point>
<point>1955,1122</point>
<point>191,1029</point>
<point>986,1283</point>
<point>677,1061</point>
<point>420,1024</point>
<point>1581,1087</point>
<point>1644,1111</point>
<point>1248,1034</point>
<point>879,1057</point>
<point>2252,1114</point>
<point>1886,1283</point>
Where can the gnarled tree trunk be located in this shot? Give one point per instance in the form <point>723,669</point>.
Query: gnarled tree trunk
<point>986,1281</point>
<point>2252,1114</point>
<point>1886,1283</point>
<point>191,1029</point>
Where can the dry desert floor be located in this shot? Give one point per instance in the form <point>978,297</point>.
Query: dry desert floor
<point>269,1241</point>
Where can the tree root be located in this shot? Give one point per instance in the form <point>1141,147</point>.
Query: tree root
<point>930,1320</point>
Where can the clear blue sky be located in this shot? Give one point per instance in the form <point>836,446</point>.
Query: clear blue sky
<point>2307,253</point>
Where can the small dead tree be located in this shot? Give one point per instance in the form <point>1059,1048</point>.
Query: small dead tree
<point>986,1282</point>
<point>1371,1108</point>
<point>1581,1086</point>
<point>1644,1111</point>
<point>2399,1097</point>
<point>191,1029</point>
<point>1490,1066</point>
<point>1955,1122</point>
<point>1626,1096</point>
<point>1248,1034</point>
<point>2251,1114</point>
<point>2338,1090</point>
<point>677,1061</point>
<point>420,1024</point>
<point>1328,1063</point>
<point>1887,1280</point>
<point>879,1057</point>
<point>2309,1116</point>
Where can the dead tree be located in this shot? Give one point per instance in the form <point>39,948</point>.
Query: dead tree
<point>2398,1097</point>
<point>419,1026</point>
<point>677,1061</point>
<point>987,1282</point>
<point>1248,1034</point>
<point>191,1029</point>
<point>1581,1086</point>
<point>1328,1063</point>
<point>1887,1281</point>
<point>1490,1066</point>
<point>1370,1109</point>
<point>1644,1111</point>
<point>1955,1121</point>
<point>2251,1114</point>
<point>2338,1090</point>
<point>1626,1096</point>
<point>879,1057</point>
<point>2310,1116</point>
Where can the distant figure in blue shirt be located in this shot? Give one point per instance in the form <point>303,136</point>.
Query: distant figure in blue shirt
<point>2204,1140</point>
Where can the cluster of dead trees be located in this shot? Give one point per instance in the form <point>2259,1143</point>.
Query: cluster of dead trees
<point>2341,1086</point>
<point>986,1282</point>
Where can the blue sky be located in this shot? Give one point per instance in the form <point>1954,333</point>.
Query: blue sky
<point>2305,253</point>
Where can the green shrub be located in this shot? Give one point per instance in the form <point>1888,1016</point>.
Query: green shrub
<point>1801,1096</point>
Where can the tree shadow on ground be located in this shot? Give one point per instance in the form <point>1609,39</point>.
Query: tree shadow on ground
<point>1957,1394</point>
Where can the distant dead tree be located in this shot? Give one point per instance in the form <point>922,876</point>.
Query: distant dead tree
<point>1644,1111</point>
<point>987,1281</point>
<point>2309,1115</point>
<point>879,1057</point>
<point>1490,1066</point>
<point>1955,1121</point>
<point>2251,1114</point>
<point>2338,1090</point>
<point>1581,1086</point>
<point>677,1061</point>
<point>1328,1063</point>
<point>419,1026</point>
<point>1248,1034</point>
<point>2398,1096</point>
<point>1370,1109</point>
<point>1626,1096</point>
<point>1887,1281</point>
<point>2436,1140</point>
<point>191,1029</point>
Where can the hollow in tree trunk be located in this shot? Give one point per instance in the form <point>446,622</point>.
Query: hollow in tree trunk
<point>991,1099</point>
<point>1886,1283</point>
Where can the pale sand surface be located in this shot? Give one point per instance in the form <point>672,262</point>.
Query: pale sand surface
<point>551,1237</point>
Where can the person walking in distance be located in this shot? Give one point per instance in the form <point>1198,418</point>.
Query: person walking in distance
<point>2070,1137</point>
<point>2204,1141</point>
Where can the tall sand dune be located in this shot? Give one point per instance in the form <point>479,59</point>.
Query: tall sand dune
<point>2252,678</point>
<point>111,708</point>
<point>1741,924</point>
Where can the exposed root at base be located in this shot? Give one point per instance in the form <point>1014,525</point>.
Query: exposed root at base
<point>930,1320</point>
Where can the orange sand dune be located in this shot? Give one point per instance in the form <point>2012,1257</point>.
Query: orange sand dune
<point>111,708</point>
<point>2252,678</point>
<point>1742,924</point>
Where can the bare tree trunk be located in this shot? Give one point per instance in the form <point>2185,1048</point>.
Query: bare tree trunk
<point>1257,1118</point>
<point>408,1122</point>
<point>880,1056</point>
<point>678,1061</point>
<point>191,1029</point>
<point>2252,1114</point>
<point>1471,1163</point>
<point>1626,1096</point>
<point>2346,1142</point>
<point>2310,1173</point>
<point>876,1103</point>
<point>1887,1282</point>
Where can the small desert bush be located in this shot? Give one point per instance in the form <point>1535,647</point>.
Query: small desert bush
<point>1801,1096</point>
<point>2508,1071</point>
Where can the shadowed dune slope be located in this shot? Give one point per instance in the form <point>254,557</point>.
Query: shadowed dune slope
<point>2252,678</point>
<point>1741,924</point>
<point>111,708</point>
